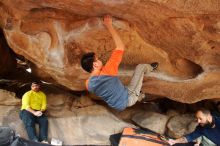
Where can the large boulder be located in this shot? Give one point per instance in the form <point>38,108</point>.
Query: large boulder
<point>8,98</point>
<point>86,126</point>
<point>68,121</point>
<point>180,125</point>
<point>183,36</point>
<point>73,120</point>
<point>151,120</point>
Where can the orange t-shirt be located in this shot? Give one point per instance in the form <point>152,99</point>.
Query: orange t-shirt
<point>111,67</point>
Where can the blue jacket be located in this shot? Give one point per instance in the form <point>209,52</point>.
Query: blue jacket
<point>212,134</point>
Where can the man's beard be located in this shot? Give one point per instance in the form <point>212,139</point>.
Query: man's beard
<point>209,125</point>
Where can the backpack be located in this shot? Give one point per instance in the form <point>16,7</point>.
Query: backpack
<point>7,135</point>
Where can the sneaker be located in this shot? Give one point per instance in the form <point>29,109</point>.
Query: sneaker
<point>45,141</point>
<point>35,140</point>
<point>56,142</point>
<point>154,65</point>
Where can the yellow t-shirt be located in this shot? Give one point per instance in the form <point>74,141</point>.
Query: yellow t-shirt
<point>34,100</point>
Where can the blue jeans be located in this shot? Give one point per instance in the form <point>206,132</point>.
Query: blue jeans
<point>30,120</point>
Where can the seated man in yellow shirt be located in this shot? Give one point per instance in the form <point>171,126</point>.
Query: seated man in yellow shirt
<point>32,111</point>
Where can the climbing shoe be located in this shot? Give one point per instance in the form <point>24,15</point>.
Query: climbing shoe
<point>154,65</point>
